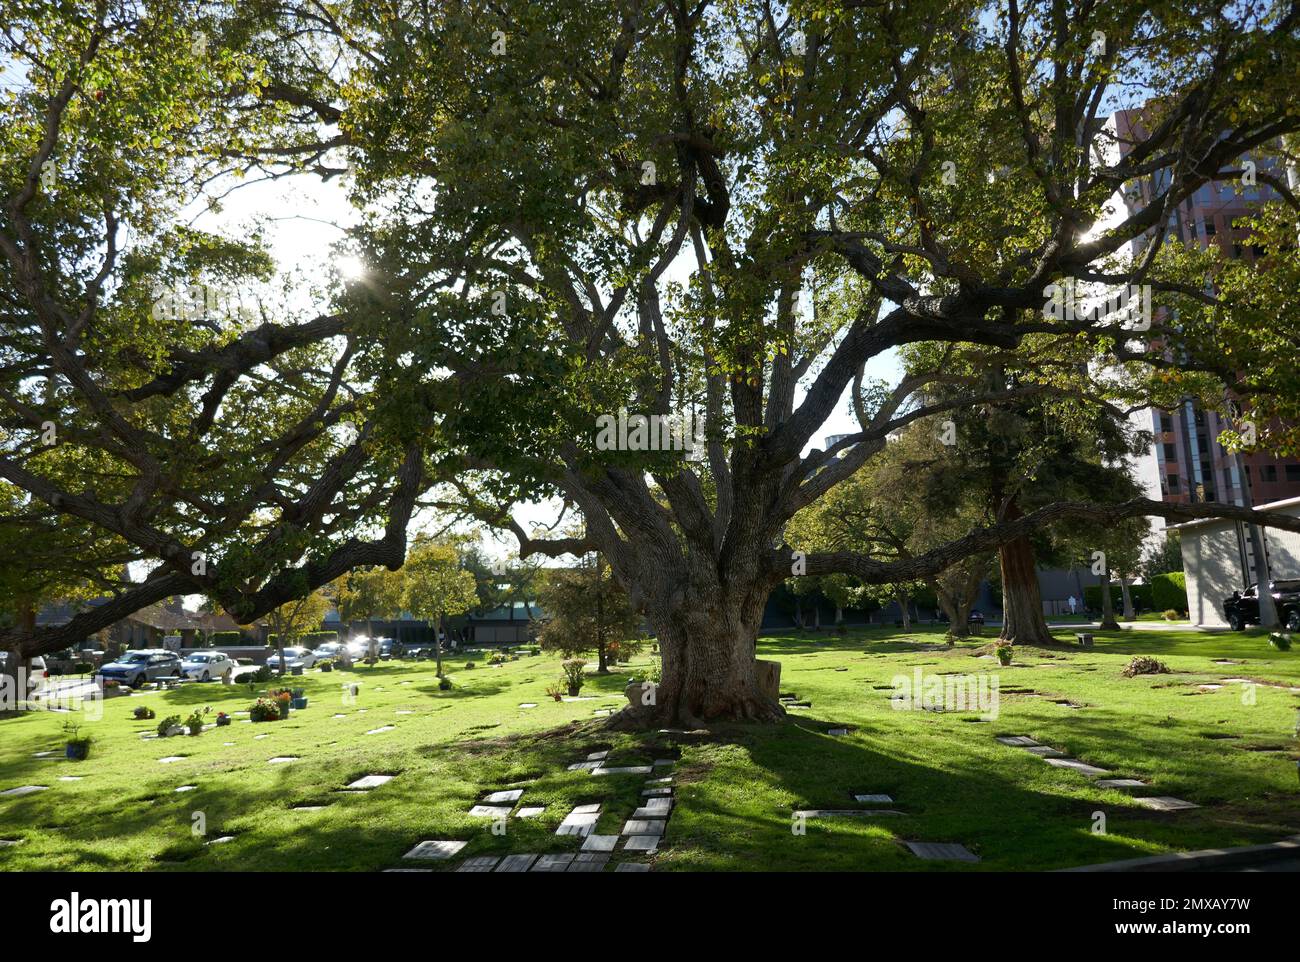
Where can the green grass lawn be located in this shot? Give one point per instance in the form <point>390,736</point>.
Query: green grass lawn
<point>737,787</point>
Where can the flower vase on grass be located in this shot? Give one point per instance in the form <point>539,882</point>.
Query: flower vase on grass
<point>573,675</point>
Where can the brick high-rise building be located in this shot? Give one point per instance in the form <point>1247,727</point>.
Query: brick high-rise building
<point>1186,462</point>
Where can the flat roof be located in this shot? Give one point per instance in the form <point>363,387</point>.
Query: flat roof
<point>1271,506</point>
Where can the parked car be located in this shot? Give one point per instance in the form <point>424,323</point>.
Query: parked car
<point>330,649</point>
<point>135,668</point>
<point>293,657</point>
<point>359,648</point>
<point>1242,608</point>
<point>206,665</point>
<point>35,666</point>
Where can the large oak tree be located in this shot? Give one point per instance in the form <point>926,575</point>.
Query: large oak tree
<point>579,206</point>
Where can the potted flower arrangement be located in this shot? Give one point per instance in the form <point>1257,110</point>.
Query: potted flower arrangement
<point>573,675</point>
<point>326,665</point>
<point>444,683</point>
<point>111,688</point>
<point>222,719</point>
<point>195,722</point>
<point>299,699</point>
<point>1280,640</point>
<point>78,747</point>
<point>264,709</point>
<point>143,712</point>
<point>1004,653</point>
<point>556,692</point>
<point>285,702</point>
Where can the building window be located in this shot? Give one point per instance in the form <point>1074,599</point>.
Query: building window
<point>1171,452</point>
<point>1166,422</point>
<point>1268,472</point>
<point>1172,481</point>
<point>1293,472</point>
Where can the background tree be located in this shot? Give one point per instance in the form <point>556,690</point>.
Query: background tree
<point>585,609</point>
<point>434,585</point>
<point>293,620</point>
<point>368,594</point>
<point>1164,555</point>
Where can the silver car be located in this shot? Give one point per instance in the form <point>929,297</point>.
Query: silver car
<point>206,665</point>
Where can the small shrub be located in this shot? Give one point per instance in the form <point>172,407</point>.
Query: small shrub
<point>78,744</point>
<point>574,677</point>
<point>469,664</point>
<point>444,684</point>
<point>195,722</point>
<point>1170,615</point>
<point>143,712</point>
<point>555,691</point>
<point>1004,653</point>
<point>1145,665</point>
<point>167,724</point>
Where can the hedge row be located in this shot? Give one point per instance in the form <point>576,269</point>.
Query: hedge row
<point>1141,595</point>
<point>1162,593</point>
<point>309,640</point>
<point>1169,591</point>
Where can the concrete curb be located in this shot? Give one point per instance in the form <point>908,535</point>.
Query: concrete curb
<point>1210,859</point>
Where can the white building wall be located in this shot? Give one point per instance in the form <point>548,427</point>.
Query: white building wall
<point>1213,564</point>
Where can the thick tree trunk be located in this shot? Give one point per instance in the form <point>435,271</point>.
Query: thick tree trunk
<point>1129,614</point>
<point>14,673</point>
<point>709,673</point>
<point>1107,602</point>
<point>903,605</point>
<point>1022,602</point>
<point>958,614</point>
<point>602,658</point>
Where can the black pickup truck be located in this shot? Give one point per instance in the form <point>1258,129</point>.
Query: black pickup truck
<point>1242,608</point>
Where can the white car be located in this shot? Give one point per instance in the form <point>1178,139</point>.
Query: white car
<point>293,657</point>
<point>206,665</point>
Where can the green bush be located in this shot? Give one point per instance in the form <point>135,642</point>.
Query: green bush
<point>167,724</point>
<point>314,638</point>
<point>262,674</point>
<point>1169,590</point>
<point>225,638</point>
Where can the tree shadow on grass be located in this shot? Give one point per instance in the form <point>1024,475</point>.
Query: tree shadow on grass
<point>992,809</point>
